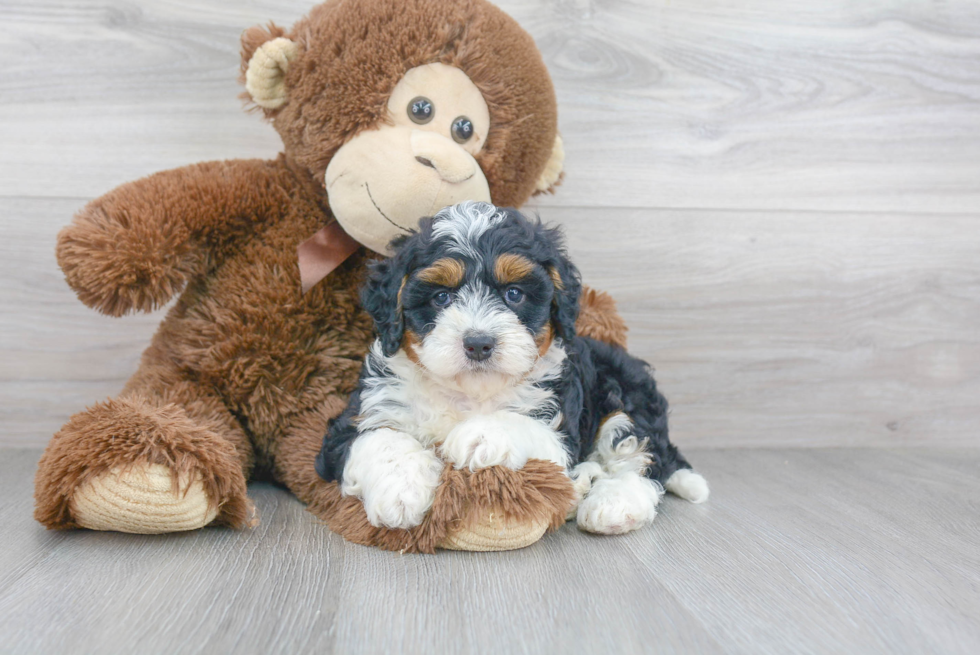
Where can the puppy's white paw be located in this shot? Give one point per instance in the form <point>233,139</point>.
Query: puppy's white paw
<point>402,499</point>
<point>394,476</point>
<point>618,505</point>
<point>688,485</point>
<point>582,477</point>
<point>482,441</point>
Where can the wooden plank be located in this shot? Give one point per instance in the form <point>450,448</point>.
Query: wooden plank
<point>168,593</point>
<point>56,355</point>
<point>820,551</point>
<point>765,328</point>
<point>797,328</point>
<point>870,106</point>
<point>798,550</point>
<point>292,586</point>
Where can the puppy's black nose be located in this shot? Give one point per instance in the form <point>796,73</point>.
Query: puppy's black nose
<point>479,347</point>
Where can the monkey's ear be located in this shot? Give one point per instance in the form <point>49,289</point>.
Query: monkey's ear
<point>265,57</point>
<point>552,173</point>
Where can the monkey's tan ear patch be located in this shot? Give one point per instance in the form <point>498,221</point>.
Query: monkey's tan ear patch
<point>266,74</point>
<point>553,169</point>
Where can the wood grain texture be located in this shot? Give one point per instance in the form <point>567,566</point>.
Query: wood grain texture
<point>797,328</point>
<point>804,551</point>
<point>765,328</point>
<point>769,323</point>
<point>836,105</point>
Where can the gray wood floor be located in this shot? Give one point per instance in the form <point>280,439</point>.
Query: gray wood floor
<point>798,551</point>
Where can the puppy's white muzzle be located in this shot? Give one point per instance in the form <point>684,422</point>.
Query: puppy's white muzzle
<point>478,334</point>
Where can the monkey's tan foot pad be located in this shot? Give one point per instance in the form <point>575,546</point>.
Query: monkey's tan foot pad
<point>141,500</point>
<point>494,534</point>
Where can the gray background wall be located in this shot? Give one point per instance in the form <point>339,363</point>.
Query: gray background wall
<point>783,196</point>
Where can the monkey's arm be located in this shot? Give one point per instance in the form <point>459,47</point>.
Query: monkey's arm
<point>135,247</point>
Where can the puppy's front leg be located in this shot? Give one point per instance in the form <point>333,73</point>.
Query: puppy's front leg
<point>502,438</point>
<point>393,475</point>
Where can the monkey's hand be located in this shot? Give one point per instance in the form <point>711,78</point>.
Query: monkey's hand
<point>135,247</point>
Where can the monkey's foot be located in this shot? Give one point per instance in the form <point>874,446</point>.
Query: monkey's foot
<point>131,466</point>
<point>143,499</point>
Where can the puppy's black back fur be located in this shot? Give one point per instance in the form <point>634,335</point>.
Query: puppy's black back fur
<point>337,442</point>
<point>601,379</point>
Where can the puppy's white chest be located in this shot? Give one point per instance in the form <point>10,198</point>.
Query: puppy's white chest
<point>491,415</point>
<point>438,412</point>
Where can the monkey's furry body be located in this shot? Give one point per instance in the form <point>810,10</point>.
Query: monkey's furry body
<point>254,356</point>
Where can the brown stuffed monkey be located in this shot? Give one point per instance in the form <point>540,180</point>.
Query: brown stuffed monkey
<point>388,110</point>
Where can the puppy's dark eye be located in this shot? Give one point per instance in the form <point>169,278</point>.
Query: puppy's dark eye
<point>421,110</point>
<point>514,295</point>
<point>462,129</point>
<point>442,299</point>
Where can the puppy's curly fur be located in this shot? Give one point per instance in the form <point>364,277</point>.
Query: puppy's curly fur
<point>477,364</point>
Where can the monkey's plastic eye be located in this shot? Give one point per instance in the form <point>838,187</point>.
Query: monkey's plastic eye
<point>442,299</point>
<point>514,295</point>
<point>421,110</point>
<point>462,129</point>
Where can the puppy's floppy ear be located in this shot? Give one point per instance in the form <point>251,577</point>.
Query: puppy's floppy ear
<point>568,289</point>
<point>567,281</point>
<point>381,293</point>
<point>381,297</point>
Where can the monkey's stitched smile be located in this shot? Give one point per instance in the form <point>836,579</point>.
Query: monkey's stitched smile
<point>371,198</point>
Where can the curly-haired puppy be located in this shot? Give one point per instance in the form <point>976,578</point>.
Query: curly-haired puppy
<point>477,363</point>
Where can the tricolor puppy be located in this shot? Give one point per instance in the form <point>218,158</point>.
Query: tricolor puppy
<point>477,364</point>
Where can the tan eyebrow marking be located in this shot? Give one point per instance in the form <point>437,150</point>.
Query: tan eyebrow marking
<point>512,268</point>
<point>445,272</point>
